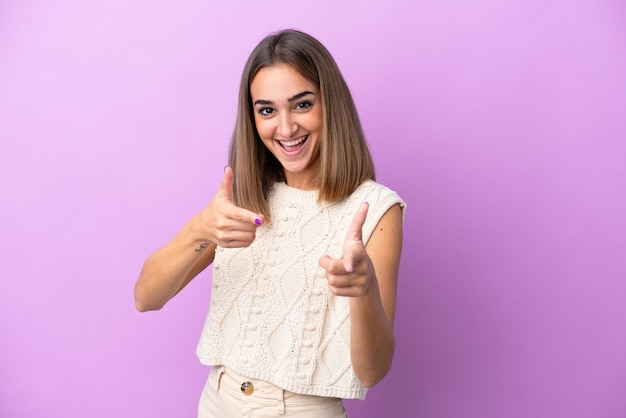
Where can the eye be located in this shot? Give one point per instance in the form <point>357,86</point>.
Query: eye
<point>265,111</point>
<point>305,104</point>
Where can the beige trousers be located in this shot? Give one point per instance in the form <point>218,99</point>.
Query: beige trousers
<point>222,397</point>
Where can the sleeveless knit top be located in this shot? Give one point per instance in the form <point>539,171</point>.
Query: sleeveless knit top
<point>272,316</point>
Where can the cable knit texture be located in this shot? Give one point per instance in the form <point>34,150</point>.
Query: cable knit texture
<point>272,316</point>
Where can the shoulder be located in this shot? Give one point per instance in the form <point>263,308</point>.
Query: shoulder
<point>380,199</point>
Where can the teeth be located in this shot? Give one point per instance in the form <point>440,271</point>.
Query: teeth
<point>294,142</point>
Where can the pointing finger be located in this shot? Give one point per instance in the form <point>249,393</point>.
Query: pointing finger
<point>355,233</point>
<point>226,189</point>
<point>226,193</point>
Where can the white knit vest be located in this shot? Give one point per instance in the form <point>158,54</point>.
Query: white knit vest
<point>272,316</point>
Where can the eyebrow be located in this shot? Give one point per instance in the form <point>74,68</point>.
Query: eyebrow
<point>291,99</point>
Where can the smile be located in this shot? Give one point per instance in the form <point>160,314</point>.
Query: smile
<point>293,143</point>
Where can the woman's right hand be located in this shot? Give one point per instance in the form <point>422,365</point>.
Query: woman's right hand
<point>223,223</point>
<point>169,269</point>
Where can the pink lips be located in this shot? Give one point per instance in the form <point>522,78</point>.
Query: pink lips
<point>293,149</point>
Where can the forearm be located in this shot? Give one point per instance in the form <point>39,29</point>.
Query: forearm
<point>170,268</point>
<point>372,340</point>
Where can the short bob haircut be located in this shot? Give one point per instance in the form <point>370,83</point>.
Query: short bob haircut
<point>345,160</point>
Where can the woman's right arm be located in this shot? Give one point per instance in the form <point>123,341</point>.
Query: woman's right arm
<point>169,269</point>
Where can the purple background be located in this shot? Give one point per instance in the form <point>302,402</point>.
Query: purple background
<point>502,124</point>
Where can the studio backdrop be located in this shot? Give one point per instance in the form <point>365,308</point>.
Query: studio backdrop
<point>502,125</point>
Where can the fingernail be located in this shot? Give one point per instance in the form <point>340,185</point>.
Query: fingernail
<point>257,221</point>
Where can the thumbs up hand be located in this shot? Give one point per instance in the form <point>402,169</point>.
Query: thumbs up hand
<point>225,224</point>
<point>352,275</point>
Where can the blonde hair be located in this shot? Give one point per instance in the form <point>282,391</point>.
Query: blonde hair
<point>345,160</point>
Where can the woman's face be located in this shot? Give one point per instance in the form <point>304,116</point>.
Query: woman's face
<point>288,118</point>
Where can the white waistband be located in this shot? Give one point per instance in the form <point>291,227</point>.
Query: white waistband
<point>231,382</point>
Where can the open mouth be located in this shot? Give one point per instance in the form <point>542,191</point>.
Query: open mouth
<point>293,144</point>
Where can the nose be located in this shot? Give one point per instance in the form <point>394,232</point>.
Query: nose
<point>287,126</point>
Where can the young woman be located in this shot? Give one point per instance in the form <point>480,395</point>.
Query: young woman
<point>305,247</point>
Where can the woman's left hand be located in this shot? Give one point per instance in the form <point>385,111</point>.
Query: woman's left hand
<point>352,275</point>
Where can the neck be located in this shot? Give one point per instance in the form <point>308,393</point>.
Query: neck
<point>305,182</point>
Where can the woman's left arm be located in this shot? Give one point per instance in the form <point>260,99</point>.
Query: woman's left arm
<point>369,275</point>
